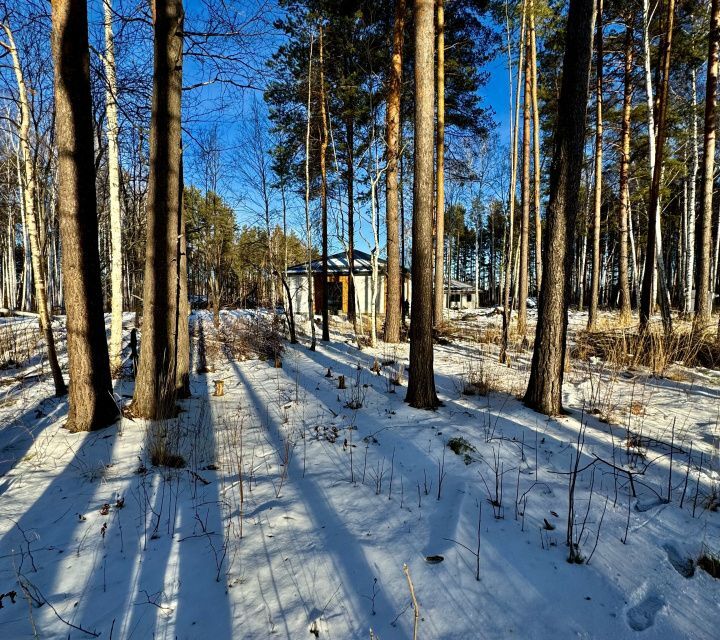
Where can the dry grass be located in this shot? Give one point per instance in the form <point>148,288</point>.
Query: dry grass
<point>476,380</point>
<point>628,348</point>
<point>18,343</point>
<point>257,337</point>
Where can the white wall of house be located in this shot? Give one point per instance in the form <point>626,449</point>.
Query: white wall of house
<point>462,299</point>
<point>298,285</point>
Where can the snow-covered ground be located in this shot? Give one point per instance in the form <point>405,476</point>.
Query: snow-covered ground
<point>300,503</point>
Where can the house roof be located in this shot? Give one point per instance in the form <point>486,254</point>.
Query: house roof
<point>457,285</point>
<point>338,263</point>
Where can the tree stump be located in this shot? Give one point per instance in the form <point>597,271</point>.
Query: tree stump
<point>219,388</point>
<point>341,382</point>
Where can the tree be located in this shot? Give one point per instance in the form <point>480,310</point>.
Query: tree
<point>439,298</point>
<point>508,268</point>
<point>308,227</point>
<point>652,254</point>
<point>595,282</point>
<point>536,149</point>
<point>155,386</point>
<point>704,288</point>
<point>324,192</point>
<point>524,273</point>
<point>421,382</point>
<point>116,264</point>
<point>91,402</point>
<point>544,392</point>
<point>623,279</point>
<point>28,180</point>
<point>394,275</point>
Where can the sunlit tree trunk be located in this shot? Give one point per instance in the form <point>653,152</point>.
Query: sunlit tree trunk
<point>91,401</point>
<point>439,298</point>
<point>508,266</point>
<point>692,200</point>
<point>544,391</point>
<point>116,261</point>
<point>623,280</point>
<point>652,253</point>
<point>536,149</point>
<point>156,386</point>
<point>703,296</point>
<point>597,210</point>
<point>421,382</point>
<point>524,271</point>
<point>308,226</point>
<point>29,195</point>
<point>394,275</point>
<point>323,193</point>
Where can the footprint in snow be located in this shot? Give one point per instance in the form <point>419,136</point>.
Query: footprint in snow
<point>642,615</point>
<point>684,566</point>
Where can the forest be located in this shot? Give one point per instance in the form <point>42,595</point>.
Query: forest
<point>387,319</point>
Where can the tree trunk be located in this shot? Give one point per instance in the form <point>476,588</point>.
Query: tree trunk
<point>26,284</point>
<point>91,401</point>
<point>595,282</point>
<point>439,298</point>
<point>394,274</point>
<point>703,304</point>
<point>536,150</point>
<point>524,273</point>
<point>116,262</point>
<point>308,226</point>
<point>323,193</point>
<point>155,385</point>
<point>29,192</point>
<point>350,171</point>
<point>508,269</point>
<point>182,344</point>
<point>623,279</point>
<point>421,382</point>
<point>544,392</point>
<point>652,255</point>
<point>692,202</point>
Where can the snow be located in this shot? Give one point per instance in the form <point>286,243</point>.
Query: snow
<point>295,513</point>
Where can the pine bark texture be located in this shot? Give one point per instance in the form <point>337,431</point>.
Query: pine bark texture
<point>392,208</point>
<point>421,382</point>
<point>439,299</point>
<point>155,385</point>
<point>544,392</point>
<point>91,403</point>
<point>703,294</point>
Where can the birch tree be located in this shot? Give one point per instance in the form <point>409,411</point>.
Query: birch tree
<point>116,257</point>
<point>28,180</point>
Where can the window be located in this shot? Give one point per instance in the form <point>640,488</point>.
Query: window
<point>469,297</point>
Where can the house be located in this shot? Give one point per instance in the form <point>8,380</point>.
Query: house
<point>462,295</point>
<point>339,284</point>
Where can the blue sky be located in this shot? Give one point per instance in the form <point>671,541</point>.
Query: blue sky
<point>230,122</point>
